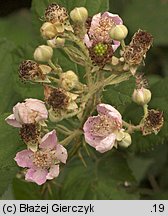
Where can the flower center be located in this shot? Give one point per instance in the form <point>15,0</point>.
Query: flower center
<point>104,126</point>
<point>44,159</point>
<point>100,49</point>
<point>101,53</point>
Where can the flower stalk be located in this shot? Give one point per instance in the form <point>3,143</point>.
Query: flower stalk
<point>56,69</point>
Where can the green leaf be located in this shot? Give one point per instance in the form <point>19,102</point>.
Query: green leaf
<point>160,195</point>
<point>23,190</point>
<point>8,195</point>
<point>26,190</point>
<point>103,179</point>
<point>139,166</point>
<point>154,16</point>
<point>118,7</point>
<point>164,57</point>
<point>7,85</point>
<point>18,27</point>
<point>61,58</point>
<point>9,144</point>
<point>159,157</point>
<point>159,170</point>
<point>164,178</point>
<point>119,95</point>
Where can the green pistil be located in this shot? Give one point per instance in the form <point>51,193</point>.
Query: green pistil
<point>100,49</point>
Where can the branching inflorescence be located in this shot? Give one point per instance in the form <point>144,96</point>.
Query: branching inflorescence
<point>92,43</point>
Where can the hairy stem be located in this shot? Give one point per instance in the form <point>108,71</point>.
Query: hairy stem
<point>131,128</point>
<point>68,139</point>
<point>145,108</point>
<point>57,69</point>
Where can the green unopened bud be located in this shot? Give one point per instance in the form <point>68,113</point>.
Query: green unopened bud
<point>43,53</point>
<point>79,15</point>
<point>126,141</point>
<point>119,32</point>
<point>68,80</point>
<point>48,30</point>
<point>141,96</point>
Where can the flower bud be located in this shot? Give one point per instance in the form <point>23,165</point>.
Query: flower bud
<point>51,43</point>
<point>79,15</point>
<point>68,80</point>
<point>126,141</point>
<point>114,60</point>
<point>141,96</point>
<point>56,42</point>
<point>119,32</point>
<point>43,53</point>
<point>59,42</point>
<point>48,30</point>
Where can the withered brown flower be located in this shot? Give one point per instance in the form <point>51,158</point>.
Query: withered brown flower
<point>55,14</point>
<point>153,122</point>
<point>29,133</point>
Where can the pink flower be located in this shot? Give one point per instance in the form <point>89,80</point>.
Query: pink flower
<point>43,164</point>
<point>30,111</point>
<point>101,131</point>
<point>99,29</point>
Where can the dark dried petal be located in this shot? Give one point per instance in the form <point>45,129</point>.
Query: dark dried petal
<point>29,133</point>
<point>141,81</point>
<point>88,23</point>
<point>57,98</point>
<point>153,122</point>
<point>29,70</point>
<point>142,39</point>
<point>133,54</point>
